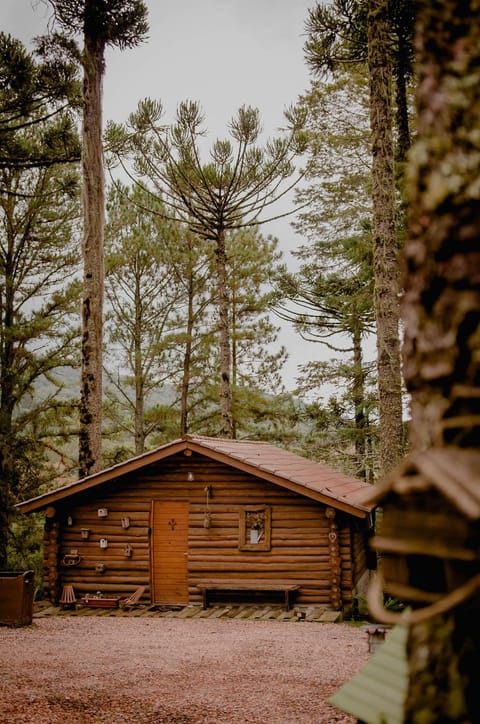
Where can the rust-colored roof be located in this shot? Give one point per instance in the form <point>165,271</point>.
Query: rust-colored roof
<point>278,466</point>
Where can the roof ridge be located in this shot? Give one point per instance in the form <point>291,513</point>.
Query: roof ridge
<point>226,439</point>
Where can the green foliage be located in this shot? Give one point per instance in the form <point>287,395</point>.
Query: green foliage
<point>228,191</point>
<point>121,23</point>
<point>24,552</point>
<point>156,275</point>
<point>337,36</point>
<point>39,300</point>
<point>36,126</point>
<point>330,298</point>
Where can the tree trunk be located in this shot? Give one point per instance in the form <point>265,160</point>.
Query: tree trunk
<point>7,403</point>
<point>386,270</point>
<point>139,377</point>
<point>401,100</point>
<point>93,197</point>
<point>359,404</point>
<point>224,332</point>
<point>442,320</point>
<point>187,361</point>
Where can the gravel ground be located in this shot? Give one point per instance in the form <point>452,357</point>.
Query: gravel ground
<point>77,670</point>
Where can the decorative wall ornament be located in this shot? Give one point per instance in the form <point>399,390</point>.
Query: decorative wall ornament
<point>71,559</point>
<point>128,550</point>
<point>85,533</point>
<point>100,567</point>
<point>69,521</point>
<point>102,512</point>
<point>255,528</point>
<point>207,518</point>
<point>125,522</point>
<point>103,543</point>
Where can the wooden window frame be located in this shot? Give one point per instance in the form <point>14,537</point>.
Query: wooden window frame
<point>243,539</point>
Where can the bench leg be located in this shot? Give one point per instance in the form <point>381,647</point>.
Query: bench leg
<point>287,600</point>
<point>204,598</point>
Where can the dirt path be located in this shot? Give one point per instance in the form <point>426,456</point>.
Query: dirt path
<point>100,670</point>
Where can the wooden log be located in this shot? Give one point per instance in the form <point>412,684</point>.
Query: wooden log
<point>124,588</point>
<point>243,559</point>
<point>102,580</point>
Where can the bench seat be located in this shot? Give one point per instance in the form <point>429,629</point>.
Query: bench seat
<point>238,586</point>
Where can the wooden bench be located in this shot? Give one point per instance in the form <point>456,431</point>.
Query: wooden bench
<point>239,586</point>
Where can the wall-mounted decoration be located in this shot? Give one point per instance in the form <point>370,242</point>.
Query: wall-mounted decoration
<point>85,533</point>
<point>255,528</point>
<point>100,567</point>
<point>207,518</point>
<point>128,550</point>
<point>190,477</point>
<point>71,559</point>
<point>69,521</point>
<point>103,543</point>
<point>125,522</point>
<point>102,512</point>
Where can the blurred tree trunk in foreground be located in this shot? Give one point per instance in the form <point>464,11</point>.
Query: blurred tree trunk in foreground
<point>442,321</point>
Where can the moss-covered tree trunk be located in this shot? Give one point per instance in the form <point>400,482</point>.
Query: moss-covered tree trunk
<point>386,270</point>
<point>442,320</point>
<point>93,197</point>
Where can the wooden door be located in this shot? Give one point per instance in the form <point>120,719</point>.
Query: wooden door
<point>169,551</point>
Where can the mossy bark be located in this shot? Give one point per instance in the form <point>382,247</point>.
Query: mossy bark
<point>441,314</point>
<point>386,268</point>
<point>93,197</point>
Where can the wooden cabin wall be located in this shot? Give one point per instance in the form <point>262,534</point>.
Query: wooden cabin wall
<point>300,546</point>
<point>359,552</point>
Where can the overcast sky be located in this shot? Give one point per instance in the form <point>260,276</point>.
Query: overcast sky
<point>223,53</point>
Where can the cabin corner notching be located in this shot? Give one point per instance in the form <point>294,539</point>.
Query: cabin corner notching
<point>230,513</point>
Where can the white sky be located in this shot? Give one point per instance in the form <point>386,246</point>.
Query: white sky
<point>223,53</point>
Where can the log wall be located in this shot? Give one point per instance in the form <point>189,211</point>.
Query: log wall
<point>301,534</point>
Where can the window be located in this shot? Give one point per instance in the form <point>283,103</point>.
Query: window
<point>255,528</point>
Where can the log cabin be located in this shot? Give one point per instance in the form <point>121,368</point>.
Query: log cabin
<point>201,514</point>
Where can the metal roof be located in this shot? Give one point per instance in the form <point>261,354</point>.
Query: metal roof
<point>278,466</point>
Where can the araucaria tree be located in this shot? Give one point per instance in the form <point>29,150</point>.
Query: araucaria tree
<point>378,33</point>
<point>102,23</point>
<point>331,295</point>
<point>233,190</point>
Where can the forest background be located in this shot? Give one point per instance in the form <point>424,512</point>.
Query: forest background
<point>350,130</point>
<point>298,394</point>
